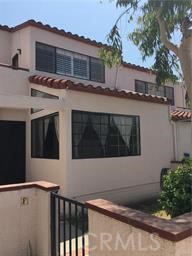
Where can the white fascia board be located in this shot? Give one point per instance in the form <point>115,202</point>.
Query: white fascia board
<point>27,102</point>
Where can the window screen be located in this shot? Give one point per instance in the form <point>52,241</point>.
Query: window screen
<point>81,66</point>
<point>64,62</point>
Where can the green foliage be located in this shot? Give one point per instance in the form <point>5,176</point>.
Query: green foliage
<point>176,195</point>
<point>146,34</point>
<point>164,65</point>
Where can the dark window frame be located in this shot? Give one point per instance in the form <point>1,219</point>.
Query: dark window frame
<point>52,96</point>
<point>42,118</point>
<point>72,52</point>
<point>164,89</point>
<point>138,129</point>
<point>40,69</point>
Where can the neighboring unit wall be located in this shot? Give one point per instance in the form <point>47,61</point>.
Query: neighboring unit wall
<point>184,138</point>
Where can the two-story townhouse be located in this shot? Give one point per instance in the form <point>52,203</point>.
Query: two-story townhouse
<point>66,118</point>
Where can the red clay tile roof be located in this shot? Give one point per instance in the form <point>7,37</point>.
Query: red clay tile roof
<point>70,85</point>
<point>181,114</point>
<point>71,36</point>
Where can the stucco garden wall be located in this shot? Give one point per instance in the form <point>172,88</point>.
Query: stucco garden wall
<point>25,219</point>
<point>117,231</point>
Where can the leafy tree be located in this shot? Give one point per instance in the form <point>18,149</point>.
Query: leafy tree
<point>176,195</point>
<point>158,21</point>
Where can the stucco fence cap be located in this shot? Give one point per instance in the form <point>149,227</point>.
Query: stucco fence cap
<point>174,230</point>
<point>43,185</point>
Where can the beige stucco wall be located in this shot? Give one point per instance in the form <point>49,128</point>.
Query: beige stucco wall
<point>105,174</point>
<point>25,39</point>
<point>125,79</point>
<point>13,81</point>
<point>21,39</point>
<point>110,237</point>
<point>184,138</point>
<point>5,47</point>
<point>49,169</point>
<point>120,179</point>
<point>20,223</point>
<point>112,178</point>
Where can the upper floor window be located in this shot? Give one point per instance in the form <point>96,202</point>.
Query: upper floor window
<point>98,135</point>
<point>63,62</point>
<point>149,88</point>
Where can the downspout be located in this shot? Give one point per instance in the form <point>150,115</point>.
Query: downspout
<point>174,140</point>
<point>116,77</point>
<point>174,132</point>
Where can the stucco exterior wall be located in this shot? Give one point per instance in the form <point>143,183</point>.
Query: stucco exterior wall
<point>24,223</point>
<point>184,138</point>
<point>111,237</point>
<point>21,39</point>
<point>25,39</point>
<point>5,47</point>
<point>116,173</point>
<point>123,79</point>
<point>13,81</point>
<point>120,179</point>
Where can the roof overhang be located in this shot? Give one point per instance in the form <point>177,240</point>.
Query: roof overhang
<point>181,115</point>
<point>27,102</point>
<point>105,91</point>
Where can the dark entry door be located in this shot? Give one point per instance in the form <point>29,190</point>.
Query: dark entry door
<point>12,152</point>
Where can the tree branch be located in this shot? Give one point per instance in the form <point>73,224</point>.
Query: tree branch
<point>163,33</point>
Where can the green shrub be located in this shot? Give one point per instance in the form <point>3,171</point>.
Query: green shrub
<point>176,195</point>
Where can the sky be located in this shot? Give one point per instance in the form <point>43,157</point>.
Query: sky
<point>89,18</point>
